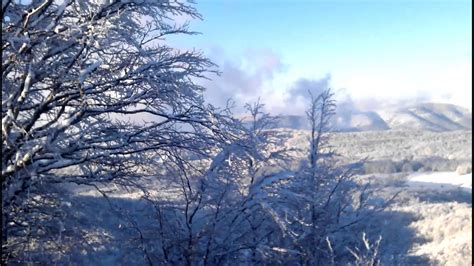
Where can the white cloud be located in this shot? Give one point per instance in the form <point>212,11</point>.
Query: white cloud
<point>448,82</point>
<point>262,73</point>
<point>244,78</point>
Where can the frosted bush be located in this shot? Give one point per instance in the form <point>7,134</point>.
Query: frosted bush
<point>464,168</point>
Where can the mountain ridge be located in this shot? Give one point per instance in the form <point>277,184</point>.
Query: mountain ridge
<point>437,117</point>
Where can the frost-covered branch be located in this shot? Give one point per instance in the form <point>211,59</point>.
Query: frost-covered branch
<point>90,94</point>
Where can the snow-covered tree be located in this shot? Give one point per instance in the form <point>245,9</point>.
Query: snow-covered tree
<point>244,205</point>
<point>91,91</point>
<point>216,214</point>
<point>317,206</point>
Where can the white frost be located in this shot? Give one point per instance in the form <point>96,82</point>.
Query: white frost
<point>88,70</point>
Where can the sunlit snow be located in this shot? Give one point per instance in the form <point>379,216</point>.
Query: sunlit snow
<point>441,180</point>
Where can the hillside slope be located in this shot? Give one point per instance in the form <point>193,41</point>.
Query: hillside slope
<point>436,117</point>
<point>428,116</point>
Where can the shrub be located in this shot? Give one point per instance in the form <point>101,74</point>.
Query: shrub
<point>464,168</point>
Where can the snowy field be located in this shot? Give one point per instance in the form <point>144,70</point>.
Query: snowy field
<point>439,229</point>
<point>391,145</point>
<point>441,181</point>
<point>428,224</point>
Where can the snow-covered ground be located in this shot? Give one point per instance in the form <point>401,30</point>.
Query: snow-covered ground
<point>429,222</point>
<point>428,148</point>
<point>440,181</point>
<point>441,207</point>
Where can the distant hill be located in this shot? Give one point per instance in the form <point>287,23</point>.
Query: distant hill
<point>359,121</point>
<point>427,116</point>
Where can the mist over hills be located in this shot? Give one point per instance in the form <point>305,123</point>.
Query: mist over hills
<point>429,116</point>
<point>437,117</point>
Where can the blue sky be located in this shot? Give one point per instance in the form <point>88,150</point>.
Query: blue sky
<point>385,50</point>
